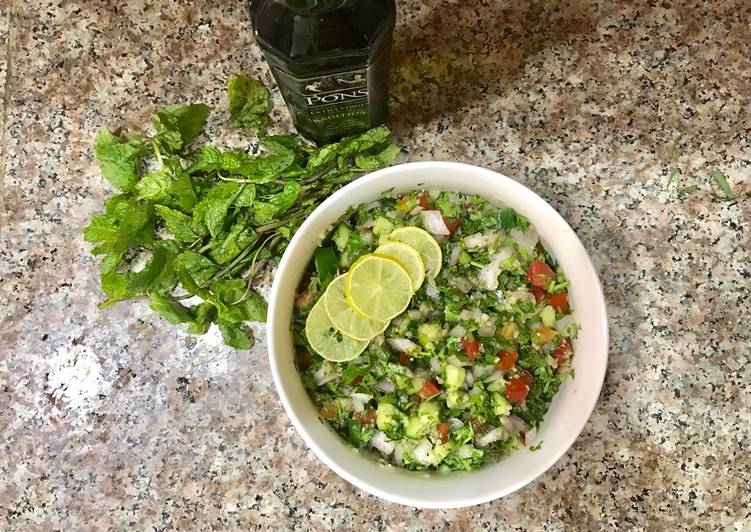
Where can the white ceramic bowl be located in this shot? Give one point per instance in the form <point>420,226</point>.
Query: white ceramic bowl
<point>569,410</point>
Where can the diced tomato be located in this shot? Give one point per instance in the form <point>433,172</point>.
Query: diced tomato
<point>559,302</point>
<point>471,348</point>
<point>508,359</point>
<point>539,293</point>
<point>423,201</point>
<point>304,299</point>
<point>477,425</point>
<point>429,389</point>
<point>468,206</point>
<point>328,411</point>
<point>518,388</point>
<point>539,273</point>
<point>452,224</point>
<point>407,203</point>
<point>416,398</point>
<point>366,418</point>
<point>543,335</point>
<point>356,380</point>
<point>404,360</point>
<point>560,353</point>
<point>443,431</point>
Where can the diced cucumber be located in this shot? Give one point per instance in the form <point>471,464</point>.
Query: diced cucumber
<point>497,386</point>
<point>415,428</point>
<point>441,451</point>
<point>501,405</point>
<point>454,377</point>
<point>341,237</point>
<point>465,258</point>
<point>388,417</point>
<point>415,384</point>
<point>547,315</point>
<point>382,226</point>
<point>429,411</point>
<point>457,399</point>
<point>429,334</point>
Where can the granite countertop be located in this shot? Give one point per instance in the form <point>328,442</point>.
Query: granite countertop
<point>112,420</point>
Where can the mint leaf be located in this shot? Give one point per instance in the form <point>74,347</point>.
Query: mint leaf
<point>239,237</point>
<point>722,182</point>
<point>377,160</point>
<point>119,161</point>
<point>235,335</point>
<point>203,315</point>
<point>180,225</point>
<point>198,267</point>
<point>169,186</point>
<point>243,303</point>
<point>212,209</point>
<point>169,309</point>
<point>177,125</point>
<point>265,211</point>
<point>248,102</point>
<point>246,197</point>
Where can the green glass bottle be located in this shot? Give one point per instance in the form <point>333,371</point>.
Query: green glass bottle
<point>330,59</point>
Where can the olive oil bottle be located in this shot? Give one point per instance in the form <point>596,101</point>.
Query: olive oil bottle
<point>330,59</point>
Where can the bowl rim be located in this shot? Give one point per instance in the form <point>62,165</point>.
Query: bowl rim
<point>562,447</point>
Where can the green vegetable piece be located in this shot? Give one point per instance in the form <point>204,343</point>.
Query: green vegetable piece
<point>415,385</point>
<point>243,304</point>
<point>429,411</point>
<point>457,399</point>
<point>180,225</point>
<point>388,417</point>
<point>203,315</point>
<point>341,237</point>
<point>212,209</point>
<point>235,335</point>
<point>415,428</point>
<point>326,265</point>
<point>177,125</point>
<point>382,226</point>
<point>454,377</point>
<point>547,315</point>
<point>119,161</point>
<point>377,160</point>
<point>359,434</point>
<point>265,211</point>
<point>169,309</point>
<point>248,102</point>
<point>465,259</point>
<point>429,334</point>
<point>722,182</point>
<point>501,405</point>
<point>238,238</point>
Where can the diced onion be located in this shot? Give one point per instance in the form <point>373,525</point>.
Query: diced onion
<point>455,252</point>
<point>324,374</point>
<point>463,284</point>
<point>565,322</point>
<point>469,379</point>
<point>489,437</point>
<point>431,290</point>
<point>521,295</point>
<point>370,222</point>
<point>455,423</point>
<point>517,423</point>
<point>476,241</point>
<point>403,345</point>
<point>527,239</point>
<point>530,436</point>
<point>435,365</point>
<point>386,386</point>
<point>380,442</point>
<point>454,361</point>
<point>458,331</point>
<point>465,451</point>
<point>486,329</point>
<point>494,376</point>
<point>364,397</point>
<point>399,454</point>
<point>433,222</point>
<point>423,453</point>
<point>482,371</point>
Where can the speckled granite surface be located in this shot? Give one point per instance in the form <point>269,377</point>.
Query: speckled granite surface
<point>112,420</point>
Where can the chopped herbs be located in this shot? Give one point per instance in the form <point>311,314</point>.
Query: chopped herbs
<point>457,379</point>
<point>722,182</point>
<point>200,221</point>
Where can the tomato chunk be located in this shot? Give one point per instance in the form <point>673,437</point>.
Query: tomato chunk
<point>423,201</point>
<point>416,398</point>
<point>429,389</point>
<point>357,380</point>
<point>539,273</point>
<point>404,360</point>
<point>328,411</point>
<point>508,359</point>
<point>304,299</point>
<point>560,353</point>
<point>452,224</point>
<point>443,431</point>
<point>518,388</point>
<point>559,302</point>
<point>471,348</point>
<point>539,293</point>
<point>477,425</point>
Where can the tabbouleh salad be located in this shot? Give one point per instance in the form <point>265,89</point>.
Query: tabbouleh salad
<point>444,333</point>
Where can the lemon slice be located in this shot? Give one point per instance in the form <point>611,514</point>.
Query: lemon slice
<point>425,245</point>
<point>344,318</point>
<point>379,288</point>
<point>327,340</point>
<point>408,258</point>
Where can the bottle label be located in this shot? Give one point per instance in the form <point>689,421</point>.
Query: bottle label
<point>330,104</point>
